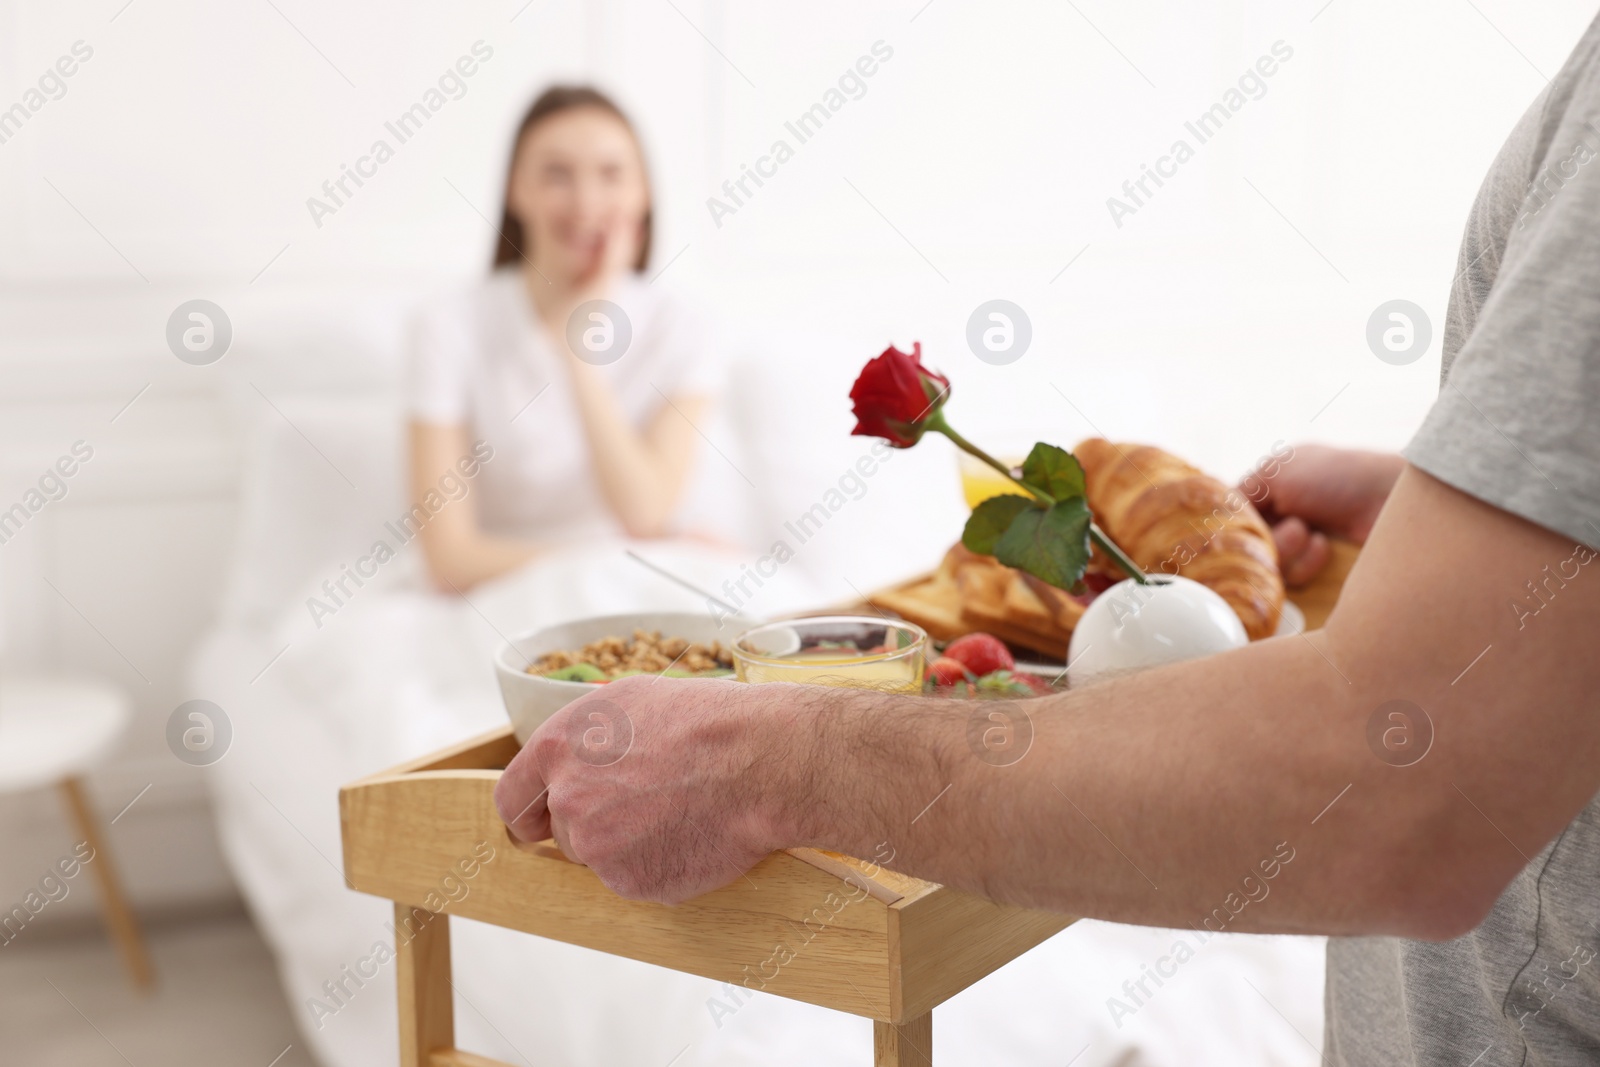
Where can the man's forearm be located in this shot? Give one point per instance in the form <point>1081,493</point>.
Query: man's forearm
<point>1163,797</point>
<point>1156,798</point>
<point>1255,790</point>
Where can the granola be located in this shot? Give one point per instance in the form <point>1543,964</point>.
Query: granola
<point>647,652</point>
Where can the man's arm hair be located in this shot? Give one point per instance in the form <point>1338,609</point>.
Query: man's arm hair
<point>1162,797</point>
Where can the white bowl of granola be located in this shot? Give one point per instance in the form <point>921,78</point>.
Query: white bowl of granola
<point>543,671</point>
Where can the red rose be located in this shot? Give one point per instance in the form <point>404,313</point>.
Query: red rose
<point>896,395</point>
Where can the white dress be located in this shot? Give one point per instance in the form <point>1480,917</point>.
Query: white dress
<point>484,358</point>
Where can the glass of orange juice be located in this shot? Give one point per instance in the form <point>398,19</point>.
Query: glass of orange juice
<point>979,481</point>
<point>856,651</point>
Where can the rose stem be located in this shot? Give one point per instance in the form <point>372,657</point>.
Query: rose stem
<point>1120,558</point>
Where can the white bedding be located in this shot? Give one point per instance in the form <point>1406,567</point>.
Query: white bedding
<point>399,671</point>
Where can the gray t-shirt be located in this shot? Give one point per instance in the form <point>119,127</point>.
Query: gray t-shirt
<point>1517,424</point>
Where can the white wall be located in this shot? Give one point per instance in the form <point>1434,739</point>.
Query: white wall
<point>977,165</point>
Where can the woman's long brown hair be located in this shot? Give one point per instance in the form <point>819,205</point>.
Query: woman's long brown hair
<point>514,244</point>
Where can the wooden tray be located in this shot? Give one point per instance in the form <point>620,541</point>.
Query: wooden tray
<point>860,938</point>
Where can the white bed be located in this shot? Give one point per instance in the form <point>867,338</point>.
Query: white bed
<point>398,671</point>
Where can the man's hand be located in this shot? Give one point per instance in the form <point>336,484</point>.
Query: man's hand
<point>667,788</point>
<point>1317,493</point>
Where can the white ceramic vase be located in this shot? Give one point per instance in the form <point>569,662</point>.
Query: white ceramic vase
<point>1130,627</point>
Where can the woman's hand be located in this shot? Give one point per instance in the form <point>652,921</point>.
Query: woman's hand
<point>1319,492</point>
<point>612,256</point>
<point>642,471</point>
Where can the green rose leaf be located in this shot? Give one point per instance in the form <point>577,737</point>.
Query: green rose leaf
<point>992,518</point>
<point>1051,545</point>
<point>1055,470</point>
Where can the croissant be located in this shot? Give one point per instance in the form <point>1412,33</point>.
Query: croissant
<point>1171,518</point>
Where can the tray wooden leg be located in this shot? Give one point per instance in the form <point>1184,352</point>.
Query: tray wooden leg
<point>119,917</point>
<point>422,968</point>
<point>903,1044</point>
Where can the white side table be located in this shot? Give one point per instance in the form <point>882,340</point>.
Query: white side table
<point>51,732</point>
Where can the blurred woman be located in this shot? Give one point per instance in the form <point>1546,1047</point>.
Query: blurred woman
<point>585,381</point>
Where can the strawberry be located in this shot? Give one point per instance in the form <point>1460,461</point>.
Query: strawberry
<point>947,671</point>
<point>1092,585</point>
<point>980,653</point>
<point>1041,686</point>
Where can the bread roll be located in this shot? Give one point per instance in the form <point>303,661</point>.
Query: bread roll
<point>1171,518</point>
